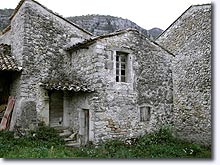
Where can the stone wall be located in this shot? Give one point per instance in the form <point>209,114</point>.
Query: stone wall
<point>189,38</point>
<point>38,37</point>
<point>77,103</point>
<point>116,105</point>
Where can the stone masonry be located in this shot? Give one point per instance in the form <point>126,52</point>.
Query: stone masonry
<point>189,39</point>
<point>118,85</point>
<point>116,104</point>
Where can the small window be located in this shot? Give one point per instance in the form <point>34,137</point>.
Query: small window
<point>121,66</point>
<point>145,113</point>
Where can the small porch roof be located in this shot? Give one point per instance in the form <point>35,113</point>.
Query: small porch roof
<point>66,85</point>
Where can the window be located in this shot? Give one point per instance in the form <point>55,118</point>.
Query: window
<point>121,66</point>
<point>145,113</point>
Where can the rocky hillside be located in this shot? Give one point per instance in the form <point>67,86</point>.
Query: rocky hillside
<point>96,24</point>
<point>101,24</point>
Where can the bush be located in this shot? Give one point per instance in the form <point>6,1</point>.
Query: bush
<point>46,134</point>
<point>164,135</point>
<point>6,142</point>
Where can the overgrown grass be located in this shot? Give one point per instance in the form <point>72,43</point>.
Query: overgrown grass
<point>155,145</point>
<point>45,143</point>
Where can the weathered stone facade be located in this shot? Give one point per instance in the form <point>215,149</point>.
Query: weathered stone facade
<point>115,105</point>
<point>189,39</point>
<point>101,87</point>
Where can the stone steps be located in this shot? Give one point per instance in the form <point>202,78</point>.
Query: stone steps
<point>65,133</point>
<point>68,136</point>
<point>68,139</point>
<point>60,129</point>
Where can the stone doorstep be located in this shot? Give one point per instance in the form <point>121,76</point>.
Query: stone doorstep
<point>68,139</point>
<point>60,128</point>
<point>73,145</point>
<point>65,133</point>
<point>71,142</point>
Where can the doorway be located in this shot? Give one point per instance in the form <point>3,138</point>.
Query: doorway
<point>84,126</point>
<point>56,109</point>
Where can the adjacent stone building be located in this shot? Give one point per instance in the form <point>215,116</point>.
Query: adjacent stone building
<point>189,39</point>
<point>100,87</point>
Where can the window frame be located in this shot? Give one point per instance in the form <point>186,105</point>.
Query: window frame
<point>121,66</point>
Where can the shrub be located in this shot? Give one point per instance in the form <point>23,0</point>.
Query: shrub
<point>6,142</point>
<point>164,135</point>
<point>46,134</point>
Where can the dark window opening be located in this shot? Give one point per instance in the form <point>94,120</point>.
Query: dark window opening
<point>145,113</point>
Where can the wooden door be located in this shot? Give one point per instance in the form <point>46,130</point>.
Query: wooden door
<point>85,126</point>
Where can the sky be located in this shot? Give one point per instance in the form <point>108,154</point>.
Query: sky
<point>146,13</point>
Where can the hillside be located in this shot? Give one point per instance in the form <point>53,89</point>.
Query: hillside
<point>96,24</point>
<point>101,24</point>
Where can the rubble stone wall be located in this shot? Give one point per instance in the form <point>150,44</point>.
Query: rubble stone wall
<point>116,105</point>
<point>189,38</point>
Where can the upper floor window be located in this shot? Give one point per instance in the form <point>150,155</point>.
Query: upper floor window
<point>121,66</point>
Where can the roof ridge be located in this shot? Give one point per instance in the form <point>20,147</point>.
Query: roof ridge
<point>94,39</point>
<point>118,32</point>
<point>50,11</point>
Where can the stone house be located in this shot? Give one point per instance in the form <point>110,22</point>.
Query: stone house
<point>189,39</point>
<point>100,87</point>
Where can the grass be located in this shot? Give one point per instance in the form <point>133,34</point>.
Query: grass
<point>45,143</point>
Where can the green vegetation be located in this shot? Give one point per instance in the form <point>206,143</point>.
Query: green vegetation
<point>44,142</point>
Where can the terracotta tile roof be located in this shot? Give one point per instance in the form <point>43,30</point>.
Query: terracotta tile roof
<point>7,62</point>
<point>65,85</point>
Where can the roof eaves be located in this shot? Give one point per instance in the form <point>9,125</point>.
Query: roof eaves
<point>66,85</point>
